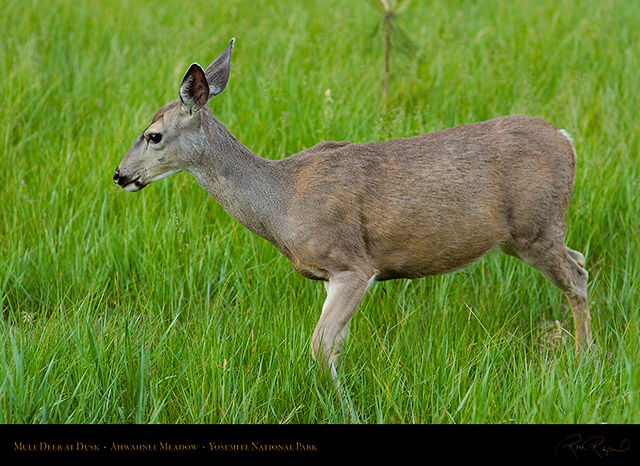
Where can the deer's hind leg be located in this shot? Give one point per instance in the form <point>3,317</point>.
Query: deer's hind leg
<point>563,267</point>
<point>576,256</point>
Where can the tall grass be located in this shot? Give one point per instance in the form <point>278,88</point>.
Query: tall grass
<point>158,307</point>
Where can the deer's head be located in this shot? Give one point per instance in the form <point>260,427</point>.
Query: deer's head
<point>175,137</point>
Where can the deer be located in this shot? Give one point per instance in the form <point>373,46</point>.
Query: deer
<point>353,214</point>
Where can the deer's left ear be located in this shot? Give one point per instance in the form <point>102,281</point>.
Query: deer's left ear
<point>194,90</point>
<point>217,72</point>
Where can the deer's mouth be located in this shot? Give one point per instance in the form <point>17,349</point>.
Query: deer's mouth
<point>134,186</point>
<point>131,184</point>
<point>140,179</point>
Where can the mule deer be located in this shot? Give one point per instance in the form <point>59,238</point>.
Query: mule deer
<point>353,214</point>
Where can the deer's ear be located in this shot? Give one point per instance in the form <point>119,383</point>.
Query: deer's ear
<point>217,72</point>
<point>194,90</point>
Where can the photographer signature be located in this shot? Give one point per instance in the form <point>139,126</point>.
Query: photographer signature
<point>596,445</point>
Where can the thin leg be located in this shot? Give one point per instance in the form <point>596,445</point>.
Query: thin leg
<point>344,293</point>
<point>564,267</point>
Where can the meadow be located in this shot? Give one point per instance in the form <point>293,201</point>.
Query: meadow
<point>157,307</point>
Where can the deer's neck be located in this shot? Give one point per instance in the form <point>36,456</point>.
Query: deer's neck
<point>248,187</point>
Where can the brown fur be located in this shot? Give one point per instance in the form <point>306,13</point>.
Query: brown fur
<point>428,204</point>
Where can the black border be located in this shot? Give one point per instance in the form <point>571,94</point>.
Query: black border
<point>601,442</point>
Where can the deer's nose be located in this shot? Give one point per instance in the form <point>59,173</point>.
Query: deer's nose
<point>116,176</point>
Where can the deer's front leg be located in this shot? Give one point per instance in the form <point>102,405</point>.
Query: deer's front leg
<point>344,293</point>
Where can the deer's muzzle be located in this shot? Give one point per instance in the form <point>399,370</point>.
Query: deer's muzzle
<point>130,184</point>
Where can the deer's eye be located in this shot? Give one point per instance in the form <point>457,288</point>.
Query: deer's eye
<point>155,137</point>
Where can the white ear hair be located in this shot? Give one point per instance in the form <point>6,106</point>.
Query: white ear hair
<point>194,89</point>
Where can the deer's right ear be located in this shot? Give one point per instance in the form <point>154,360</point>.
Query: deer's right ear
<point>194,90</point>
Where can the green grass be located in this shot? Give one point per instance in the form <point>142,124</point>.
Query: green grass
<point>158,307</point>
